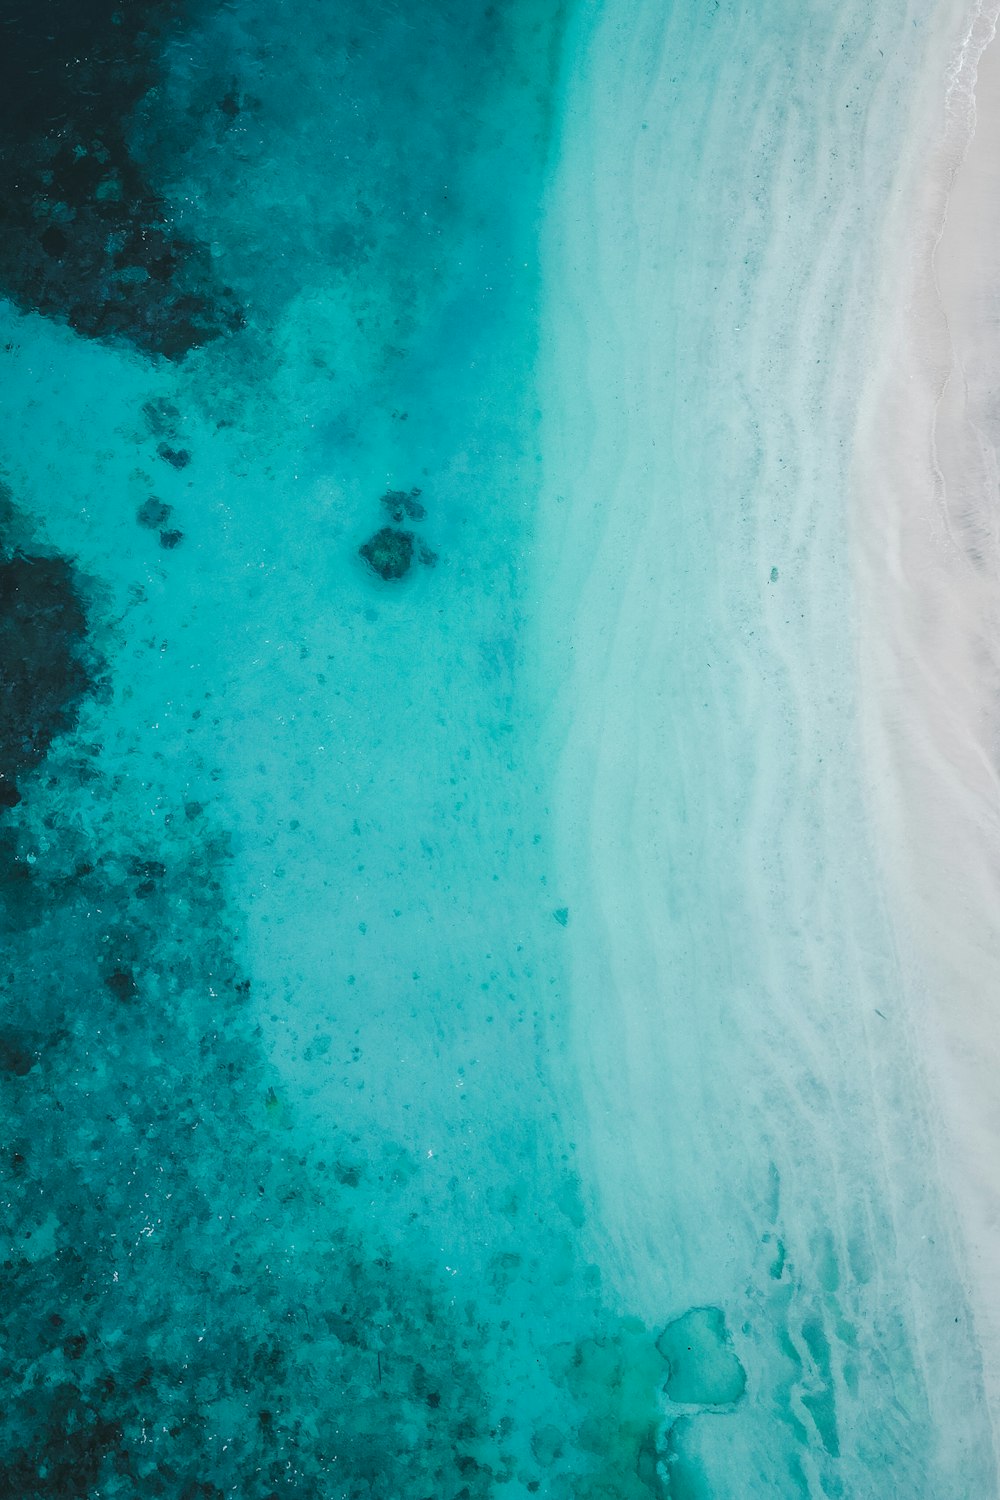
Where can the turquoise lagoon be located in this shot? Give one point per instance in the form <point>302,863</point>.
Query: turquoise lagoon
<point>453,1043</point>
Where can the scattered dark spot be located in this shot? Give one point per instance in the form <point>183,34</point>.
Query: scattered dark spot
<point>399,504</point>
<point>153,513</point>
<point>193,810</point>
<point>74,1346</point>
<point>162,417</point>
<point>177,458</point>
<point>171,539</point>
<point>389,552</point>
<point>229,104</point>
<point>122,984</point>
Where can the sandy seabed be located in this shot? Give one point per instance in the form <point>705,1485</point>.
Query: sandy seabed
<point>777,795</point>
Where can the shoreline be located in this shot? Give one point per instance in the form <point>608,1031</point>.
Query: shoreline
<point>929,584</point>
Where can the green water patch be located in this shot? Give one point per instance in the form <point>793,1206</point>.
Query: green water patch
<point>614,1378</point>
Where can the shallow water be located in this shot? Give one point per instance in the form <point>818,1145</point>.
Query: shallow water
<point>359,1142</point>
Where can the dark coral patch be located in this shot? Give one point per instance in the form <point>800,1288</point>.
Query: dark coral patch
<point>177,458</point>
<point>44,674</point>
<point>400,503</point>
<point>153,513</point>
<point>389,552</point>
<point>84,237</point>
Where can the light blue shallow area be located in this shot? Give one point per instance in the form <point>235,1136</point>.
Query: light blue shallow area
<point>330,1170</point>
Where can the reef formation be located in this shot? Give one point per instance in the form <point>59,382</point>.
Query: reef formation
<point>85,236</point>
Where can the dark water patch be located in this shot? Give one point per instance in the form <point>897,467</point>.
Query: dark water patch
<point>85,238</point>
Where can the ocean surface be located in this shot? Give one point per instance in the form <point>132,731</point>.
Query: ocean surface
<point>454,1042</point>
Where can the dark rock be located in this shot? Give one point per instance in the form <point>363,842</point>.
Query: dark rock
<point>389,552</point>
<point>171,539</point>
<point>177,458</point>
<point>153,513</point>
<point>427,557</point>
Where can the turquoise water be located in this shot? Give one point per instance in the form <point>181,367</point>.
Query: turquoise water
<point>360,1138</point>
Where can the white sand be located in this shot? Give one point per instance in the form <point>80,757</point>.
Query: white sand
<point>928,532</point>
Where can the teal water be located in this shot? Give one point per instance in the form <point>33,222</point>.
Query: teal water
<point>328,1153</point>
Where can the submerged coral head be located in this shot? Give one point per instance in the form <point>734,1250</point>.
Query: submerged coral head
<point>389,552</point>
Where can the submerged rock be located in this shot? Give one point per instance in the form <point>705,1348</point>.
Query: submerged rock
<point>704,1368</point>
<point>389,552</point>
